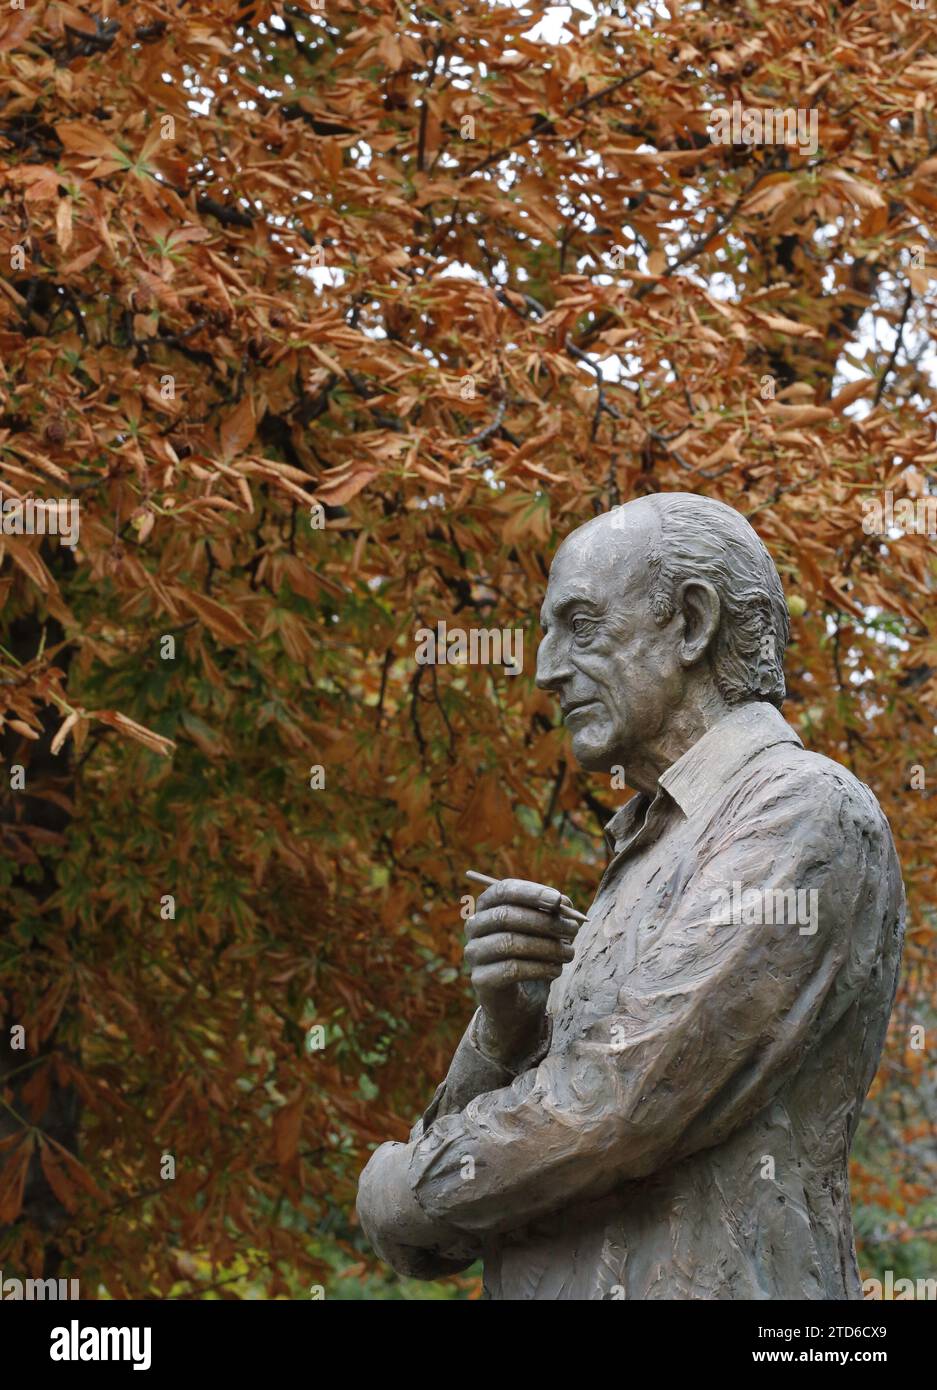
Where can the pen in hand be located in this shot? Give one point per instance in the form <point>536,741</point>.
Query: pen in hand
<point>564,911</point>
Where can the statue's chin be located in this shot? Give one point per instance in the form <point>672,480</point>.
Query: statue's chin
<point>592,754</point>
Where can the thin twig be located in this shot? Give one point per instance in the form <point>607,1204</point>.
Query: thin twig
<point>909,295</point>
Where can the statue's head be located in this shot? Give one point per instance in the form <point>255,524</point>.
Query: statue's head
<point>655,612</point>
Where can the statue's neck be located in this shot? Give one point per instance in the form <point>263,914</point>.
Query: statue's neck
<point>695,717</point>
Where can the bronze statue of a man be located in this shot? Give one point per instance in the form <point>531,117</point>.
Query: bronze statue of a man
<point>666,1109</point>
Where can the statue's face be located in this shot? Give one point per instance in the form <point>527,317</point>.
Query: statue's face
<point>615,672</point>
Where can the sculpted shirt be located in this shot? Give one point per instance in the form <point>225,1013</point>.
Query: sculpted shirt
<point>686,1132</point>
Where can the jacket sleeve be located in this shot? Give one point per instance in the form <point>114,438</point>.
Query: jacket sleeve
<point>388,1212</point>
<point>709,1022</point>
<point>472,1073</point>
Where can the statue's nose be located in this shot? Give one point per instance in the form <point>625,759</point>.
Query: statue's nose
<point>551,667</point>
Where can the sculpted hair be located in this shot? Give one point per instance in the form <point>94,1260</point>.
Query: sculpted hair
<point>703,539</point>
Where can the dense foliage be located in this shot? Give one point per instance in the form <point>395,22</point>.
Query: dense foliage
<point>335,320</point>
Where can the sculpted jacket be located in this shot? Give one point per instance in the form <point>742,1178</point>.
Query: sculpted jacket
<point>686,1129</point>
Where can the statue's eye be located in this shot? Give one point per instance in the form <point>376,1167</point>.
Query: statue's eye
<point>582,627</point>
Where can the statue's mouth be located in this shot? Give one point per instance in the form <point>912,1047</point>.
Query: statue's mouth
<point>577,709</point>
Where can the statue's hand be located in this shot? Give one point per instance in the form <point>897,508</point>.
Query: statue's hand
<point>517,944</point>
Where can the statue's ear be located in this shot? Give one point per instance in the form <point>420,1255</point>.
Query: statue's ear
<point>699,604</point>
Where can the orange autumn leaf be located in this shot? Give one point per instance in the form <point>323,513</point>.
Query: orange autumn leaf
<point>221,621</point>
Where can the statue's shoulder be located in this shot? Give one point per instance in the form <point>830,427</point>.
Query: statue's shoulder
<point>835,792</point>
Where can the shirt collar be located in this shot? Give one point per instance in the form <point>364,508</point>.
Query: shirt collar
<point>709,764</point>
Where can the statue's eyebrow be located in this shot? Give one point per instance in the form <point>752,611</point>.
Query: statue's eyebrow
<point>577,600</point>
